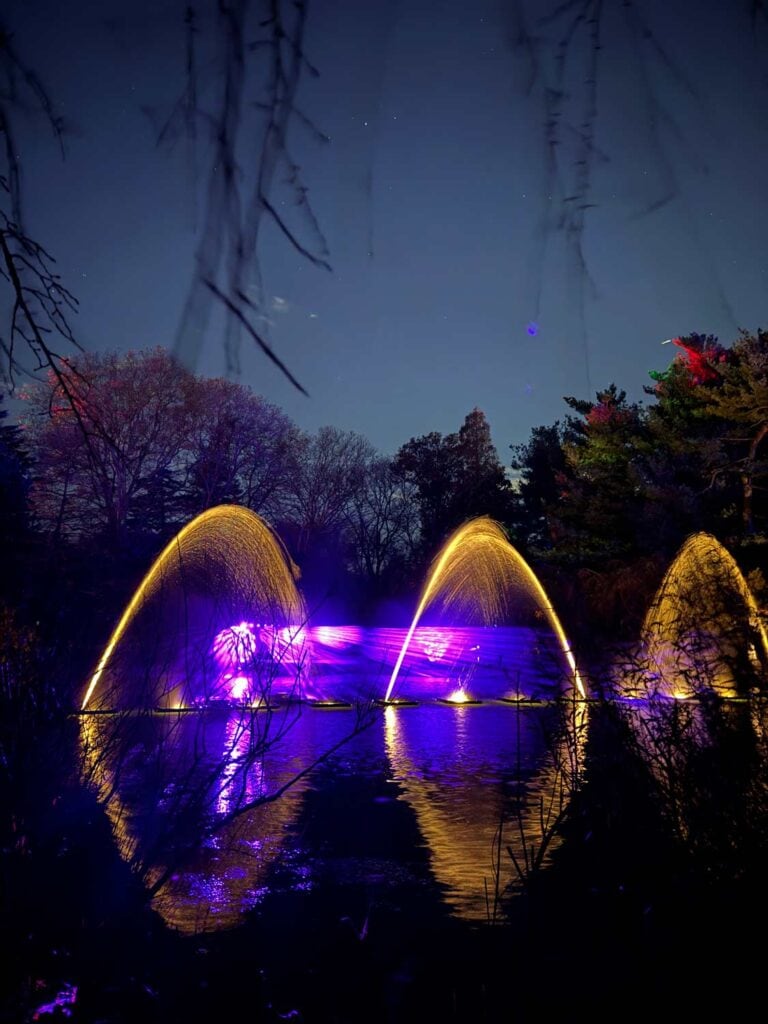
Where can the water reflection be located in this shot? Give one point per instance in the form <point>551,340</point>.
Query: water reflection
<point>480,781</point>
<point>182,793</point>
<point>179,790</point>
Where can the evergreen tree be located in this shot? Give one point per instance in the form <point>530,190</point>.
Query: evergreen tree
<point>481,486</point>
<point>687,487</point>
<point>542,467</point>
<point>601,496</point>
<point>740,405</point>
<point>456,477</point>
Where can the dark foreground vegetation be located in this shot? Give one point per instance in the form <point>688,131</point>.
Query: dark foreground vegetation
<point>649,904</point>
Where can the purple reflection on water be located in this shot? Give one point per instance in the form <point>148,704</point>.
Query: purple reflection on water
<point>447,769</point>
<point>235,646</point>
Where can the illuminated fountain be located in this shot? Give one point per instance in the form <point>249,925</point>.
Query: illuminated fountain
<point>703,630</point>
<point>192,799</point>
<point>702,636</point>
<point>481,581</point>
<point>216,617</point>
<point>216,621</point>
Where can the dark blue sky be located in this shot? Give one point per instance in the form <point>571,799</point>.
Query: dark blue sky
<point>433,195</point>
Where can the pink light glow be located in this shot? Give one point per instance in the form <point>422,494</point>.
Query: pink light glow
<point>434,643</point>
<point>290,635</point>
<point>287,645</point>
<point>235,646</point>
<point>337,637</point>
<point>238,687</point>
<point>60,1006</point>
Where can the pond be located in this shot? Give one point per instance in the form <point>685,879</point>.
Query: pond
<point>407,800</point>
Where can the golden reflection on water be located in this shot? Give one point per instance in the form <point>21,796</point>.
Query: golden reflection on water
<point>462,770</point>
<point>99,770</point>
<point>460,822</point>
<point>126,756</point>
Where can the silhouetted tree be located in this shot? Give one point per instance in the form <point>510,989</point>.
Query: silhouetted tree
<point>482,486</point>
<point>105,444</point>
<point>330,467</point>
<point>329,470</point>
<point>430,465</point>
<point>382,520</point>
<point>240,449</point>
<point>541,466</point>
<point>456,477</point>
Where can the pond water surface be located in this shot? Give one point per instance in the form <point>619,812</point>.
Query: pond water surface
<point>396,799</point>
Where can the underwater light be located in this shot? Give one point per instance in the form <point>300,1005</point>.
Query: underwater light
<point>459,697</point>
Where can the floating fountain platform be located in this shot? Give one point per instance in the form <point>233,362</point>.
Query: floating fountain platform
<point>397,702</point>
<point>343,705</point>
<point>458,703</point>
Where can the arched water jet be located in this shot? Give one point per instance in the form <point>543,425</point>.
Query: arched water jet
<point>703,628</point>
<point>475,574</point>
<point>227,548</point>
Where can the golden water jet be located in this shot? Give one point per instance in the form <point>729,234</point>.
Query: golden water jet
<point>478,577</point>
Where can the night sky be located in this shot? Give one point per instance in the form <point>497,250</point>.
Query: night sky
<point>467,269</point>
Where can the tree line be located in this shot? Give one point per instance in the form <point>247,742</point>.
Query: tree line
<point>135,446</point>
<point>620,479</point>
